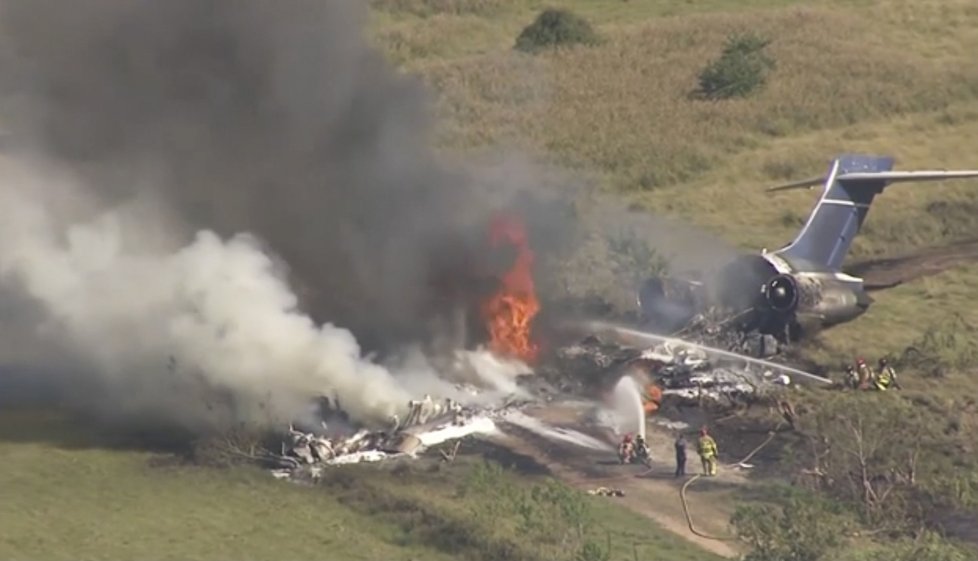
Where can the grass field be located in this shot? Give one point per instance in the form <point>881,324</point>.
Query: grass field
<point>68,495</point>
<point>880,76</point>
<point>883,76</point>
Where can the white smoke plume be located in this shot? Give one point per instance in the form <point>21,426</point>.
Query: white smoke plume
<point>216,311</point>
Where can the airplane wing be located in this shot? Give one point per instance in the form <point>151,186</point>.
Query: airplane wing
<point>643,338</point>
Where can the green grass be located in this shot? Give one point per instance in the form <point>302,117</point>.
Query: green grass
<point>70,494</point>
<point>899,319</point>
<point>63,502</point>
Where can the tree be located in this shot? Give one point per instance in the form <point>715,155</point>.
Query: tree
<point>867,450</point>
<point>633,257</point>
<point>741,68</point>
<point>553,28</point>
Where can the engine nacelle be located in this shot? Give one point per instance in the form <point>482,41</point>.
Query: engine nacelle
<point>781,294</point>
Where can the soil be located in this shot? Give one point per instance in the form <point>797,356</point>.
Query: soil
<point>651,492</point>
<point>886,273</point>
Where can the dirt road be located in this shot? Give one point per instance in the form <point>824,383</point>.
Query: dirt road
<point>653,493</point>
<point>886,273</point>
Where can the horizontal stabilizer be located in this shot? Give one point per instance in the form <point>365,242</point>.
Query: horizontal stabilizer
<point>848,189</point>
<point>894,176</point>
<point>809,183</point>
<point>887,176</point>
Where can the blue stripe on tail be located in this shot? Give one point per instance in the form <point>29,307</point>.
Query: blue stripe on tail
<point>824,240</point>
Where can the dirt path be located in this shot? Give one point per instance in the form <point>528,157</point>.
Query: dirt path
<point>886,273</point>
<point>652,493</point>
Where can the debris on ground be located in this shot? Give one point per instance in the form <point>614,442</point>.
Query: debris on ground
<point>606,492</point>
<point>429,423</point>
<point>687,371</point>
<point>682,371</point>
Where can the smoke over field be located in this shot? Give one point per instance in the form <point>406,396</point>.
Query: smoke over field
<point>220,194</point>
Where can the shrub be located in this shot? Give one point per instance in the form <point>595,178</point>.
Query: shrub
<point>741,69</point>
<point>554,28</point>
<point>944,347</point>
<point>633,257</point>
<point>802,527</point>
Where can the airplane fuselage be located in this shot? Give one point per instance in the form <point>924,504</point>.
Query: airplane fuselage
<point>798,289</point>
<point>764,292</point>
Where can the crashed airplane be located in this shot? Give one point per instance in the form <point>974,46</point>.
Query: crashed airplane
<point>799,289</point>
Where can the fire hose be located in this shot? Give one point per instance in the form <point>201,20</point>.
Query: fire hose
<point>682,490</point>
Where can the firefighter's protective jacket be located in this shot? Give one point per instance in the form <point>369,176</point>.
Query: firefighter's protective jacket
<point>707,447</point>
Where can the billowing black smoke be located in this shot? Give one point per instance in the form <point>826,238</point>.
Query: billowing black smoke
<point>274,118</point>
<point>195,178</point>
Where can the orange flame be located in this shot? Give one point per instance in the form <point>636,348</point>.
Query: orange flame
<point>651,398</point>
<point>510,311</point>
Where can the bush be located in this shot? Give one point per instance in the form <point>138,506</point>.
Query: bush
<point>802,527</point>
<point>926,547</point>
<point>234,447</point>
<point>946,347</point>
<point>633,257</point>
<point>554,28</point>
<point>741,69</point>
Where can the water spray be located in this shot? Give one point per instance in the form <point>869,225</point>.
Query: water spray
<point>627,403</point>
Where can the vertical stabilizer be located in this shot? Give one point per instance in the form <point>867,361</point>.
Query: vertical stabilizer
<point>834,222</point>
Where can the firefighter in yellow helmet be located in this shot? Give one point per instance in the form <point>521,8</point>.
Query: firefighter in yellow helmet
<point>886,377</point>
<point>707,448</point>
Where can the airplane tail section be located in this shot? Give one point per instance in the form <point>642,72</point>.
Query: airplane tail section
<point>848,191</point>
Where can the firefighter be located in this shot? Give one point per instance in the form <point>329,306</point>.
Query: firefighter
<point>626,449</point>
<point>642,450</point>
<point>886,377</point>
<point>680,446</point>
<point>707,448</point>
<point>852,377</point>
<point>866,374</point>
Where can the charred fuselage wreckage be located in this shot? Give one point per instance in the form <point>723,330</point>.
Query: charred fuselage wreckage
<point>671,372</point>
<point>799,289</point>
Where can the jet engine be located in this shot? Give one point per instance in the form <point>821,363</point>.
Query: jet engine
<point>773,300</point>
<point>781,294</point>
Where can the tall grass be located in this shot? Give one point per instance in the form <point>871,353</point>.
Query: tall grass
<point>624,109</point>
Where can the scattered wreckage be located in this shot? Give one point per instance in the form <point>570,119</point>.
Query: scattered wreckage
<point>428,423</point>
<point>684,371</point>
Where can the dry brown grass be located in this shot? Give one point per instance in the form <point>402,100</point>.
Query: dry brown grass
<point>425,8</point>
<point>904,218</point>
<point>624,108</point>
<point>879,76</point>
<point>621,112</point>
